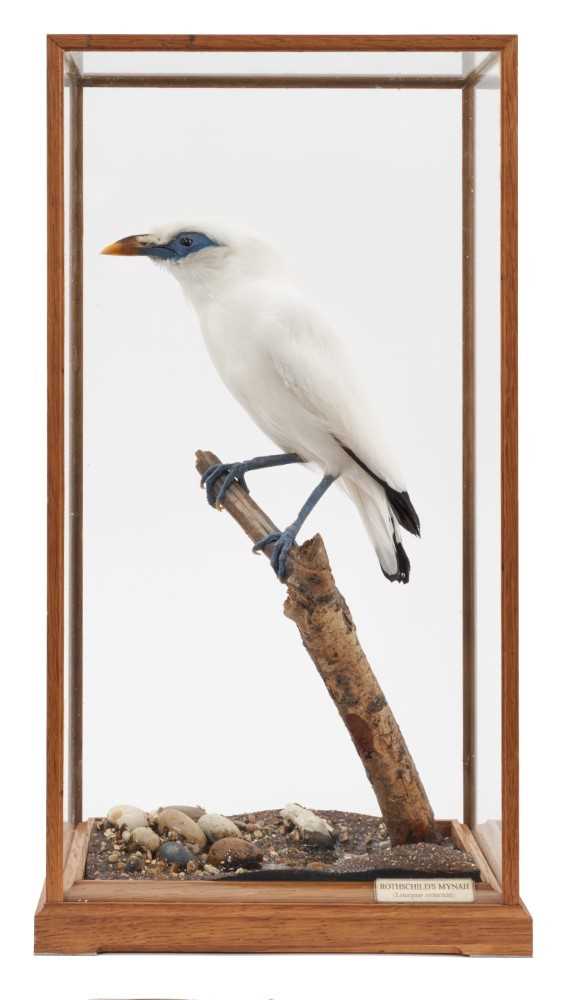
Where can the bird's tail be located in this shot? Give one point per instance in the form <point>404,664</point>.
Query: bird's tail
<point>382,527</point>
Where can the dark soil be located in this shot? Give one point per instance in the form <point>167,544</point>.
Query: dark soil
<point>361,852</point>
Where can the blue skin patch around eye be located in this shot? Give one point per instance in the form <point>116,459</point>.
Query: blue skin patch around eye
<point>180,246</point>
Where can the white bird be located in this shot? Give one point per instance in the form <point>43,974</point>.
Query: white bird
<point>281,360</point>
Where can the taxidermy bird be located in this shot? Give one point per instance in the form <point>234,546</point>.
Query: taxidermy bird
<point>281,360</point>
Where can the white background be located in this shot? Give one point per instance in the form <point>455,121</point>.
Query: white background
<point>23,600</point>
<point>188,658</point>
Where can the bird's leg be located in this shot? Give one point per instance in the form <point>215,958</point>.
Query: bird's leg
<point>282,541</point>
<point>234,472</point>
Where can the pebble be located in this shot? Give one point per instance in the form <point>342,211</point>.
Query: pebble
<point>179,823</point>
<point>145,837</point>
<point>128,816</point>
<point>233,852</point>
<point>193,812</point>
<point>134,865</point>
<point>114,856</point>
<point>216,827</point>
<point>175,853</point>
<point>312,828</point>
<point>211,870</point>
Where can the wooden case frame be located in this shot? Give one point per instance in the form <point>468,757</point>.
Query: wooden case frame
<point>75,916</point>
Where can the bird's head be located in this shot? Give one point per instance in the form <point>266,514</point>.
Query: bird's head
<point>176,245</point>
<point>200,255</point>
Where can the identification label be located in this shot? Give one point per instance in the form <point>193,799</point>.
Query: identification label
<point>424,890</point>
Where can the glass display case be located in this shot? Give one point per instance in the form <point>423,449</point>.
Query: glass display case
<point>315,750</point>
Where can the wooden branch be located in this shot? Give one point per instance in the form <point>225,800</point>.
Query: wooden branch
<point>329,635</point>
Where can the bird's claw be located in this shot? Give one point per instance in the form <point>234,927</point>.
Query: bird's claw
<point>282,542</point>
<point>234,472</point>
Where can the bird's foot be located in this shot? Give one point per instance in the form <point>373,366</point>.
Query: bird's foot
<point>282,542</point>
<point>234,472</point>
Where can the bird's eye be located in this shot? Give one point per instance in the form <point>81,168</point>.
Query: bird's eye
<point>186,241</point>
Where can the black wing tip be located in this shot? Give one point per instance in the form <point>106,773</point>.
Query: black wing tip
<point>404,566</point>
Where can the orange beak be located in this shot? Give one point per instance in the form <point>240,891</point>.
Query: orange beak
<point>130,246</point>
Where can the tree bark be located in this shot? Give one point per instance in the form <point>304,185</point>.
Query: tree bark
<point>329,635</point>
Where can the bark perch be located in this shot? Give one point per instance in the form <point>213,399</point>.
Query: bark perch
<point>329,635</point>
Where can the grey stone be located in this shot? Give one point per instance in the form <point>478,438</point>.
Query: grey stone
<point>175,853</point>
<point>135,864</point>
<point>193,812</point>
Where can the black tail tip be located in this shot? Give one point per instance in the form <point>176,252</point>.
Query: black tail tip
<point>404,566</point>
<point>404,510</point>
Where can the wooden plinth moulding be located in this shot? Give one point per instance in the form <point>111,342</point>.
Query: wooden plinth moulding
<point>270,927</point>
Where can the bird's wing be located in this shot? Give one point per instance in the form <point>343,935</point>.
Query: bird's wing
<point>310,360</point>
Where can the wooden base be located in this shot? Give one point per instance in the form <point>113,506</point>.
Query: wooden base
<point>458,929</point>
<point>152,916</point>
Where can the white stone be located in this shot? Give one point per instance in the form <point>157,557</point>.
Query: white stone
<point>172,819</point>
<point>146,837</point>
<point>217,827</point>
<point>312,828</point>
<point>128,816</point>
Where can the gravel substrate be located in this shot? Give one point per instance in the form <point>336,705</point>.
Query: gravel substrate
<point>361,851</point>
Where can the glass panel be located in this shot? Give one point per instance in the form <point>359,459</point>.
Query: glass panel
<point>197,689</point>
<point>488,459</point>
<point>67,582</point>
<point>73,445</point>
<point>395,63</point>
